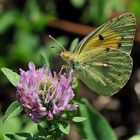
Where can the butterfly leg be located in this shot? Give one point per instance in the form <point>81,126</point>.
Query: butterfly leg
<point>61,70</point>
<point>75,78</point>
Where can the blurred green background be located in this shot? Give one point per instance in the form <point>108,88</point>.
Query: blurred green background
<point>24,29</point>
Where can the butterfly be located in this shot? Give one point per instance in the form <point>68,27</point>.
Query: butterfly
<point>102,59</point>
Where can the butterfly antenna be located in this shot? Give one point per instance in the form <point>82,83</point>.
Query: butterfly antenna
<point>62,47</point>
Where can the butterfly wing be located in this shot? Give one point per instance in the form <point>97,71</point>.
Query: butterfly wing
<point>103,70</point>
<point>116,33</point>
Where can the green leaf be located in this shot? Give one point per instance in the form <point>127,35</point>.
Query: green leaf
<point>13,77</point>
<point>79,119</point>
<point>44,60</point>
<point>95,127</point>
<point>25,134</point>
<point>13,110</point>
<point>11,136</point>
<point>30,127</point>
<point>22,24</point>
<point>74,44</point>
<point>78,3</point>
<point>135,137</point>
<point>65,128</point>
<point>37,138</point>
<point>7,19</point>
<point>1,136</point>
<point>41,129</point>
<point>42,21</point>
<point>10,126</point>
<point>98,11</point>
<point>133,6</point>
<point>24,47</point>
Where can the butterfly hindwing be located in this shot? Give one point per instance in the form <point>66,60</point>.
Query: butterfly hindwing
<point>117,33</point>
<point>104,70</point>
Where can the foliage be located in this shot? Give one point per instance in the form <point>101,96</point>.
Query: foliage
<point>135,137</point>
<point>25,28</point>
<point>95,127</point>
<point>98,11</point>
<point>12,76</point>
<point>13,110</point>
<point>133,6</point>
<point>20,125</point>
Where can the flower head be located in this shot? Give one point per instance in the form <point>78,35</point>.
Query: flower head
<point>44,94</point>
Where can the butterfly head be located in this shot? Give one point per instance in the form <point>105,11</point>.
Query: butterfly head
<point>66,55</point>
<point>69,58</point>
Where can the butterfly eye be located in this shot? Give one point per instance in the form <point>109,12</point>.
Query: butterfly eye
<point>66,55</point>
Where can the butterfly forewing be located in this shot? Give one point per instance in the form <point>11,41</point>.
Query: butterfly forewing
<point>117,33</point>
<point>104,71</point>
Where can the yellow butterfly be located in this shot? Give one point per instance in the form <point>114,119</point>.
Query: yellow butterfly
<point>102,59</point>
